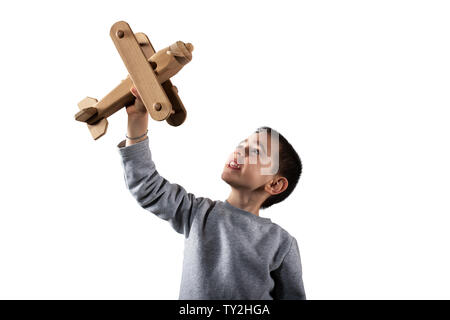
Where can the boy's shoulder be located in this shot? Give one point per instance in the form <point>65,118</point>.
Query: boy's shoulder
<point>282,230</point>
<point>285,236</point>
<point>284,239</point>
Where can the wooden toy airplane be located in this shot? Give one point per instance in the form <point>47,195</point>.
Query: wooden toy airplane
<point>148,72</point>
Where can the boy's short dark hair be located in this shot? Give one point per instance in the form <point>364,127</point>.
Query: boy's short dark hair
<point>290,167</point>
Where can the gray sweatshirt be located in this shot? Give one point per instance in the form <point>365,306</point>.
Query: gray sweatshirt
<point>229,253</point>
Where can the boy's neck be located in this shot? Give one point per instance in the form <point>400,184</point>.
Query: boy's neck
<point>244,201</point>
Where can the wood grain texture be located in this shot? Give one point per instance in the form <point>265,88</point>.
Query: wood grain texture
<point>140,71</point>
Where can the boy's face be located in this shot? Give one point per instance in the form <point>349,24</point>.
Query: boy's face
<point>252,164</point>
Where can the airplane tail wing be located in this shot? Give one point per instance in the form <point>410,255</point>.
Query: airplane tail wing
<point>87,112</point>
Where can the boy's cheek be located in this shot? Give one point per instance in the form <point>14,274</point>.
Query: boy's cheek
<point>265,162</point>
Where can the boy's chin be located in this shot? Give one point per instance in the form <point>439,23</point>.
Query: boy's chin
<point>225,177</point>
<point>232,181</point>
<point>228,178</point>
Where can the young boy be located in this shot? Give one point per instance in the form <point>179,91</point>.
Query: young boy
<point>230,251</point>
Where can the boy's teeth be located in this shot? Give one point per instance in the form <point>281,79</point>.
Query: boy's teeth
<point>234,164</point>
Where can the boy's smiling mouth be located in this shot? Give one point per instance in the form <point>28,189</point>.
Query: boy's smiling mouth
<point>233,165</point>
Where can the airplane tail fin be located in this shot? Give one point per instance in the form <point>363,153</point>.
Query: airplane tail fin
<point>87,113</point>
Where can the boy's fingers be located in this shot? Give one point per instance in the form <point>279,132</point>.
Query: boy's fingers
<point>138,103</point>
<point>134,92</point>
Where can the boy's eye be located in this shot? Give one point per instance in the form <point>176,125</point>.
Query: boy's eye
<point>240,148</point>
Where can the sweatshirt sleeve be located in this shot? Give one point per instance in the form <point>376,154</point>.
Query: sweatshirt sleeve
<point>168,201</point>
<point>288,276</point>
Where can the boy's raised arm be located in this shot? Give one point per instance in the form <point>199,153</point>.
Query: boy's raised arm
<point>153,192</point>
<point>169,201</point>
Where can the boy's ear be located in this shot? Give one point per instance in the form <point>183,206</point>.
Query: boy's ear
<point>277,185</point>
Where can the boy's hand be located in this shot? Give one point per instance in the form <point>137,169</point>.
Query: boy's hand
<point>138,108</point>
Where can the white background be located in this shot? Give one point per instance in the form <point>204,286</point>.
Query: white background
<point>360,88</point>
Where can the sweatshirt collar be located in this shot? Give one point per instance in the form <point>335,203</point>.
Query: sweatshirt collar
<point>244,212</point>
